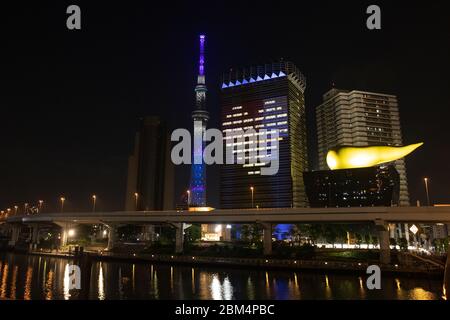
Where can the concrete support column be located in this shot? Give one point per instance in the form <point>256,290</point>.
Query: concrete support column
<point>267,238</point>
<point>35,234</point>
<point>65,227</point>
<point>227,233</point>
<point>15,233</point>
<point>407,233</point>
<point>179,237</point>
<point>148,232</point>
<point>392,227</point>
<point>383,239</point>
<point>112,237</point>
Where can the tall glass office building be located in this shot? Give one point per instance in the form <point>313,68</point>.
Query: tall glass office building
<point>267,97</point>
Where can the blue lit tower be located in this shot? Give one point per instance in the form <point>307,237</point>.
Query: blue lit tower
<point>200,116</point>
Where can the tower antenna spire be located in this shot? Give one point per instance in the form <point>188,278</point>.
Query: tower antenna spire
<point>200,116</point>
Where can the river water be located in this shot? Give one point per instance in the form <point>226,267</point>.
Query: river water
<point>37,277</point>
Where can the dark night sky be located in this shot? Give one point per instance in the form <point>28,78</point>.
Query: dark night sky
<point>69,100</point>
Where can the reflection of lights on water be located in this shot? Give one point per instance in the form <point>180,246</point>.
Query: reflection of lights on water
<point>101,284</point>
<point>49,286</point>
<point>171,278</point>
<point>133,276</point>
<point>444,292</point>
<point>28,279</point>
<point>4,281</point>
<point>66,283</point>
<point>216,288</point>
<point>13,283</point>
<point>397,282</point>
<point>193,280</point>
<point>295,280</point>
<point>421,294</point>
<point>361,283</point>
<point>221,291</point>
<point>327,283</point>
<point>227,289</point>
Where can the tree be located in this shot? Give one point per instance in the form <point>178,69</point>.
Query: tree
<point>256,231</point>
<point>358,239</point>
<point>315,232</point>
<point>403,244</point>
<point>245,232</point>
<point>193,233</point>
<point>393,243</point>
<point>330,234</point>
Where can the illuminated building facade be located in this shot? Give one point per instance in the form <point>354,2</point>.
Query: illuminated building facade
<point>358,187</point>
<point>267,97</point>
<point>200,116</point>
<point>360,119</point>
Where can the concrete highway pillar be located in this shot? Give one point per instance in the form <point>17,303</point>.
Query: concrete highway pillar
<point>179,237</point>
<point>267,238</point>
<point>112,237</point>
<point>383,239</point>
<point>35,234</point>
<point>148,232</point>
<point>227,233</point>
<point>65,229</point>
<point>15,233</point>
<point>407,233</point>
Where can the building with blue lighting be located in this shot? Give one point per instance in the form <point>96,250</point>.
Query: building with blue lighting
<point>200,115</point>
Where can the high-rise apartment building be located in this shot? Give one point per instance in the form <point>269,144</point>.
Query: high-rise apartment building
<point>267,97</point>
<point>359,118</point>
<point>150,184</point>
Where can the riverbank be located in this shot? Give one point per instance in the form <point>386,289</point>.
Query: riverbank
<point>252,263</point>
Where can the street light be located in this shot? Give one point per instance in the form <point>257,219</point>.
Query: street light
<point>426,189</point>
<point>15,209</point>
<point>62,199</point>
<point>252,190</point>
<point>41,202</point>
<point>189,198</point>
<point>94,200</point>
<point>26,208</point>
<point>136,196</point>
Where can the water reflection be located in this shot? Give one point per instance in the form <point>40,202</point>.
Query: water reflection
<point>101,284</point>
<point>33,277</point>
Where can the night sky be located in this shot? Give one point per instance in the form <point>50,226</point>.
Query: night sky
<point>70,100</point>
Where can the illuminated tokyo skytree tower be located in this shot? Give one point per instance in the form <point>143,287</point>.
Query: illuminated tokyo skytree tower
<point>200,116</point>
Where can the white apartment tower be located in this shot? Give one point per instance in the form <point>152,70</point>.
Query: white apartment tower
<point>359,118</point>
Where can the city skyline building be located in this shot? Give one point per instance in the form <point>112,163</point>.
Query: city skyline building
<point>360,118</point>
<point>200,116</point>
<point>150,180</point>
<point>269,96</point>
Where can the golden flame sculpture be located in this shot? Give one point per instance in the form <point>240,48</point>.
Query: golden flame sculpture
<point>360,157</point>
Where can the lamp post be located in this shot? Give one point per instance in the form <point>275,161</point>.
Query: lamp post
<point>94,200</point>
<point>25,208</point>
<point>62,199</point>
<point>252,190</point>
<point>41,202</point>
<point>15,209</point>
<point>426,189</point>
<point>136,196</point>
<point>188,198</point>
